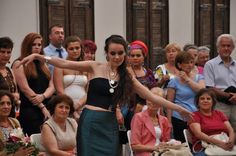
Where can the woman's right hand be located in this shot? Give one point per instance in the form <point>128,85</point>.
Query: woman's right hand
<point>24,151</point>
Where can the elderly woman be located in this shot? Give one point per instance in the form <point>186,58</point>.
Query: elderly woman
<point>149,128</point>
<point>167,71</point>
<point>207,121</point>
<point>8,123</point>
<point>59,132</point>
<point>181,90</point>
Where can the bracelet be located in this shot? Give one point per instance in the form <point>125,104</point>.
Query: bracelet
<point>47,58</point>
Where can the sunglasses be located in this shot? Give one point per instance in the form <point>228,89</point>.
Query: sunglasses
<point>137,55</point>
<point>112,53</point>
<point>74,48</point>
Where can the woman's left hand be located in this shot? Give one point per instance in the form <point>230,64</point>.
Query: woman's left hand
<point>185,113</point>
<point>45,113</point>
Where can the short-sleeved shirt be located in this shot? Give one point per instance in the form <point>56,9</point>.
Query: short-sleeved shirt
<point>50,50</point>
<point>218,75</point>
<point>210,125</point>
<point>184,95</point>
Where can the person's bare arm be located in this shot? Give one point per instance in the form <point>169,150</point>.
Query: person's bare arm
<point>58,80</point>
<point>170,97</point>
<point>148,95</point>
<point>50,143</point>
<point>196,129</point>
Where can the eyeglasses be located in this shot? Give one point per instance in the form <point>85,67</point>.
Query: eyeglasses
<point>74,48</point>
<point>113,53</point>
<point>137,55</point>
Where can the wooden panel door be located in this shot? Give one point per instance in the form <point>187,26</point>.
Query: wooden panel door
<point>211,20</point>
<point>77,17</point>
<point>147,20</point>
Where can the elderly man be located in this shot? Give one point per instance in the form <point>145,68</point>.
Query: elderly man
<point>220,75</point>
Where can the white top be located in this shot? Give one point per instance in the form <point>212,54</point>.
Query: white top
<point>158,134</point>
<point>75,86</point>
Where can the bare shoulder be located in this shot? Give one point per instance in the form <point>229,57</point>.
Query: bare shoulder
<point>15,63</point>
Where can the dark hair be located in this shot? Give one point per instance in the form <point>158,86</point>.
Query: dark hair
<point>54,25</point>
<point>90,45</point>
<point>7,93</point>
<point>121,96</point>
<point>55,100</point>
<point>70,39</point>
<point>182,57</point>
<point>208,91</point>
<point>6,42</point>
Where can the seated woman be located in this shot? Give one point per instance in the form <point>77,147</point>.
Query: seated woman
<point>59,132</point>
<point>8,123</point>
<point>149,129</point>
<point>207,121</point>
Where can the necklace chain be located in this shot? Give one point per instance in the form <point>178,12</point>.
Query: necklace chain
<point>111,80</point>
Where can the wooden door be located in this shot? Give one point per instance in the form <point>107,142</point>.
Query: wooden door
<point>147,20</point>
<point>211,20</point>
<point>77,17</point>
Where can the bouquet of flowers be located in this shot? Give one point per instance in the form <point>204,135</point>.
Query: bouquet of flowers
<point>16,140</point>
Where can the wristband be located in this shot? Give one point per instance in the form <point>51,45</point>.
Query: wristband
<point>47,58</point>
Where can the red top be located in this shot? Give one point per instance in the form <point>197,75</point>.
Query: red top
<point>210,125</point>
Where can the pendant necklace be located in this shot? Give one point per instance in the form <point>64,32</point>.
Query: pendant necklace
<point>111,76</point>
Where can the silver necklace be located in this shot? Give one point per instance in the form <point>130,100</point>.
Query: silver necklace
<point>111,81</point>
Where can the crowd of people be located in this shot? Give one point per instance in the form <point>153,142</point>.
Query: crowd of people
<point>78,104</point>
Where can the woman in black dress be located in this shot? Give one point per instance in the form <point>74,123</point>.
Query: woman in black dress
<point>35,85</point>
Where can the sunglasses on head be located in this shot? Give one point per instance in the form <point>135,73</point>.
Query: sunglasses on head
<point>113,53</point>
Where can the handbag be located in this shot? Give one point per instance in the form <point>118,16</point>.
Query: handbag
<point>173,150</point>
<point>211,149</point>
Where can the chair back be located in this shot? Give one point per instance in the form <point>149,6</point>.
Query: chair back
<point>129,136</point>
<point>188,137</point>
<point>36,140</point>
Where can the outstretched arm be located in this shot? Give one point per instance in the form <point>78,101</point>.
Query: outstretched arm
<point>83,66</point>
<point>147,94</point>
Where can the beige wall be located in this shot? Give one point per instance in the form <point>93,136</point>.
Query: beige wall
<point>181,15</point>
<point>18,17</point>
<point>110,18</point>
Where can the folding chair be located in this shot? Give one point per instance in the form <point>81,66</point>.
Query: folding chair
<point>129,135</point>
<point>188,138</point>
<point>36,140</point>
